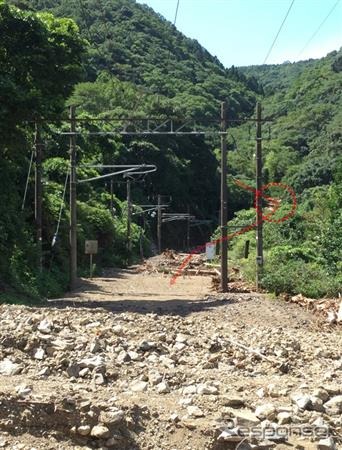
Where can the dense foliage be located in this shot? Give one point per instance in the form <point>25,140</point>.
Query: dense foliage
<point>40,60</point>
<point>304,101</point>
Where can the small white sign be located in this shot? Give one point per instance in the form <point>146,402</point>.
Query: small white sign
<point>91,247</point>
<point>210,250</point>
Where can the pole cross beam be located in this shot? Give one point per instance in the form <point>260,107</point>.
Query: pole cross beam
<point>171,217</point>
<point>152,127</point>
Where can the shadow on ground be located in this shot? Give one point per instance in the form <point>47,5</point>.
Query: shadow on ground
<point>160,307</point>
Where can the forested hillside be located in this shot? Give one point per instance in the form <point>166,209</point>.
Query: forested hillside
<point>133,62</point>
<point>117,59</point>
<point>303,148</point>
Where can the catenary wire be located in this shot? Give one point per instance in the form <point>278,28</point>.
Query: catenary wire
<point>27,181</point>
<point>54,239</point>
<point>280,28</point>
<point>319,27</point>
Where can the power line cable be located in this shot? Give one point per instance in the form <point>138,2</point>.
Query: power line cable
<point>176,13</point>
<point>27,181</point>
<point>54,239</point>
<point>319,27</point>
<point>280,28</point>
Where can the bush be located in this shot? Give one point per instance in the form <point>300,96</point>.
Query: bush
<point>298,277</point>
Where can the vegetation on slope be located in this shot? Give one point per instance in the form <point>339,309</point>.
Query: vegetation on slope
<point>304,101</point>
<point>123,60</point>
<point>40,61</point>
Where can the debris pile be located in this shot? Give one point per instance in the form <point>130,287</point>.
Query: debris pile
<point>327,308</point>
<point>169,262</point>
<point>241,371</point>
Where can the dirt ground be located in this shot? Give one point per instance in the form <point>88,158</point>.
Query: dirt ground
<point>128,361</point>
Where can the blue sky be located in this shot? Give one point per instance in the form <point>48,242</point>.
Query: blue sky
<point>240,32</point>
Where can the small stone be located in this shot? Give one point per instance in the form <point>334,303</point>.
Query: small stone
<point>154,378</point>
<point>73,370</point>
<point>246,418</point>
<point>91,363</point>
<point>23,390</point>
<point>206,389</point>
<point>179,346</point>
<point>174,417</point>
<point>189,390</point>
<point>195,411</point>
<point>334,405</point>
<point>123,357</point>
<point>316,403</point>
<point>332,389</point>
<point>45,326</point>
<point>234,402</point>
<point>319,422</point>
<point>44,372</point>
<point>261,393</point>
<point>93,324</point>
<point>167,362</point>
<point>83,430</point>
<point>100,431</point>
<point>189,423</point>
<point>139,386</point>
<point>321,393</point>
<point>118,330</point>
<point>39,353</point>
<point>302,401</point>
<point>266,411</point>
<point>9,368</point>
<point>134,356</point>
<point>163,388</point>
<point>95,346</point>
<point>186,401</point>
<point>331,317</point>
<point>84,372</point>
<point>181,338</point>
<point>273,391</point>
<point>145,346</point>
<point>112,417</point>
<point>99,379</point>
<point>326,444</point>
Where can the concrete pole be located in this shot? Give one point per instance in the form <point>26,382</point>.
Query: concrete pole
<point>73,201</point>
<point>224,200</point>
<point>159,224</point>
<point>258,198</point>
<point>38,196</point>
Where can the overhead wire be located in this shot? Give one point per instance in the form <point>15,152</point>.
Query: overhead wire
<point>176,13</point>
<point>54,239</point>
<point>314,34</point>
<point>27,181</point>
<point>280,28</point>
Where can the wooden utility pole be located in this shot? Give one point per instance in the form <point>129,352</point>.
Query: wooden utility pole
<point>73,200</point>
<point>258,197</point>
<point>224,198</point>
<point>129,215</point>
<point>38,197</point>
<point>159,223</point>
